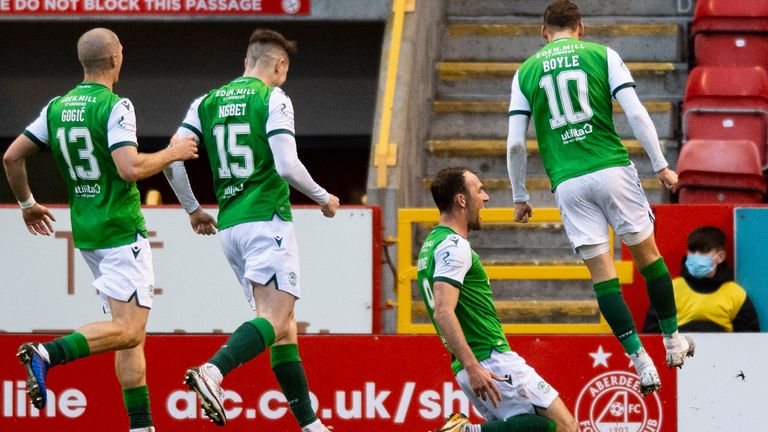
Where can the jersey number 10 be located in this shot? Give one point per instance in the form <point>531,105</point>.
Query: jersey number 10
<point>558,119</point>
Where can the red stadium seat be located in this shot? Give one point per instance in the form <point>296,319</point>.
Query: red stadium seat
<point>742,16</point>
<point>731,49</point>
<point>727,103</point>
<point>720,171</point>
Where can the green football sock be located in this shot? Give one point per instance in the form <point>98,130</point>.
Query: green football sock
<point>616,313</point>
<point>247,342</point>
<point>68,348</point>
<point>137,404</point>
<point>520,423</point>
<point>661,294</point>
<point>286,364</point>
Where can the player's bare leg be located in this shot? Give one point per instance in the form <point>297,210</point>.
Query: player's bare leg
<point>124,331</point>
<point>661,294</point>
<point>560,415</point>
<point>619,318</point>
<point>277,307</point>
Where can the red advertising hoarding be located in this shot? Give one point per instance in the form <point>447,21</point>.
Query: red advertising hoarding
<point>358,383</point>
<point>154,7</point>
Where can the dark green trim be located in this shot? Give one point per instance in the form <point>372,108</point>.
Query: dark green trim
<point>35,140</point>
<point>450,281</point>
<point>266,330</point>
<point>655,270</point>
<point>193,130</point>
<point>519,112</point>
<point>114,147</point>
<point>136,397</point>
<point>623,86</point>
<point>280,131</point>
<point>604,288</point>
<point>281,354</point>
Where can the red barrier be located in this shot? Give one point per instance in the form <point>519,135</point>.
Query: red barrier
<point>361,383</point>
<point>673,224</point>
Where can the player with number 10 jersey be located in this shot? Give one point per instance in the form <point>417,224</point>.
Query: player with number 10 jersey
<point>569,84</point>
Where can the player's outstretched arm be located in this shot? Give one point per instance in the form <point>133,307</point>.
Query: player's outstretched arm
<point>134,166</point>
<point>37,217</point>
<point>517,161</point>
<point>289,167</point>
<point>642,126</point>
<point>176,174</point>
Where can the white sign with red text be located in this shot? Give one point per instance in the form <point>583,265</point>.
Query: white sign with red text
<point>46,285</point>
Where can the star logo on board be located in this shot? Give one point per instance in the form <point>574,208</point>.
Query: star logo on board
<point>600,357</point>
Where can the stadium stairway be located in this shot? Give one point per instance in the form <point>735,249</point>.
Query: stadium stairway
<point>481,46</point>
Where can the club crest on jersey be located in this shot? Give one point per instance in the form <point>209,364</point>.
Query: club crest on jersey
<point>612,402</point>
<point>286,112</point>
<point>293,279</point>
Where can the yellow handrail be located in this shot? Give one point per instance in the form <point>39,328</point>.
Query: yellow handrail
<point>407,271</point>
<point>386,152</point>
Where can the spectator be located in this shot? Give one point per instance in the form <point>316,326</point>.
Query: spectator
<point>708,300</point>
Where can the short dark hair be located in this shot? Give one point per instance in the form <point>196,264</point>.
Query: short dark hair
<point>266,36</point>
<point>705,239</point>
<point>562,14</point>
<point>448,183</point>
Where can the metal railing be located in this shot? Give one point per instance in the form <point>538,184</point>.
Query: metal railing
<point>407,272</point>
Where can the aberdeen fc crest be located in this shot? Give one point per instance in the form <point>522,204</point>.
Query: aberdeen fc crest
<point>612,402</point>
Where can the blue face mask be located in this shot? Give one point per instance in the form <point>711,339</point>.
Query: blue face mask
<point>699,266</point>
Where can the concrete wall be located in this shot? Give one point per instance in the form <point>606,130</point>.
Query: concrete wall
<point>332,80</point>
<point>411,117</point>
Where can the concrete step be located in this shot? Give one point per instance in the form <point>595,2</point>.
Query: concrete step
<point>488,157</point>
<point>515,41</point>
<point>488,119</point>
<point>517,244</point>
<point>489,80</point>
<point>496,167</point>
<point>588,8</point>
<point>532,311</point>
<point>494,148</point>
<point>540,195</point>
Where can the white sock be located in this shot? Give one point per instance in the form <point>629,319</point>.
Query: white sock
<point>43,353</point>
<point>146,429</point>
<point>213,372</point>
<point>316,426</point>
<point>470,428</point>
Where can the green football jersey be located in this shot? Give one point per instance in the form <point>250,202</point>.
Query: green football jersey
<point>232,123</point>
<point>447,257</point>
<point>568,86</point>
<point>81,129</point>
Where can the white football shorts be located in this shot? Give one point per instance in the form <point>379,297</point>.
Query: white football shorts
<point>262,252</point>
<point>613,196</point>
<point>124,273</point>
<point>523,391</point>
